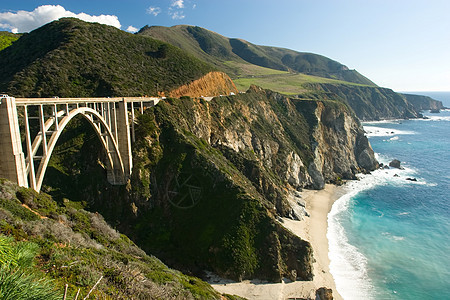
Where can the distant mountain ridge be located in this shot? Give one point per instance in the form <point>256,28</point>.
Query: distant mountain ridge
<point>305,75</point>
<point>217,49</point>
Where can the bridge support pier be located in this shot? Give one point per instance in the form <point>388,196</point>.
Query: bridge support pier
<point>12,165</point>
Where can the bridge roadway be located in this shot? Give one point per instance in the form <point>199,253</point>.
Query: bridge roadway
<point>111,118</point>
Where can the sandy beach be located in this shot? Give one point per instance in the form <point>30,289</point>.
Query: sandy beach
<point>312,229</point>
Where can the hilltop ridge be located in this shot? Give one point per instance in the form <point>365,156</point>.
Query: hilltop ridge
<point>305,75</point>
<point>217,49</point>
<point>73,58</point>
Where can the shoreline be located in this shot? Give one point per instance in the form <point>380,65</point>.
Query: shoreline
<point>312,229</point>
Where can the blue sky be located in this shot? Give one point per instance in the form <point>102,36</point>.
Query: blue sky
<point>399,44</point>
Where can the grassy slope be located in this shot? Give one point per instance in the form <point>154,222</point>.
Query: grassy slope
<point>76,247</point>
<point>7,38</point>
<point>72,58</point>
<point>285,82</point>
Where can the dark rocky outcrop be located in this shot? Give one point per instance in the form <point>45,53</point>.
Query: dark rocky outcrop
<point>324,294</point>
<point>395,164</point>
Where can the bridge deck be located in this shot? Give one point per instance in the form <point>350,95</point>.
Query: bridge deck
<point>37,101</point>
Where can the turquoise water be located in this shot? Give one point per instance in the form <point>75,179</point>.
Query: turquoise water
<point>389,237</point>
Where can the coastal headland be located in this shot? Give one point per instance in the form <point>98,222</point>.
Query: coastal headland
<point>314,230</point>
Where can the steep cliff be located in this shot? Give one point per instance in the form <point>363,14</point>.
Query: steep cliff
<point>423,102</point>
<point>368,103</point>
<point>210,179</point>
<point>212,84</point>
<point>242,157</point>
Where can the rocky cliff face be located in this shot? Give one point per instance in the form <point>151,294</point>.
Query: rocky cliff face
<point>369,103</point>
<point>211,178</point>
<point>212,84</point>
<point>242,157</point>
<point>423,102</point>
<point>339,146</point>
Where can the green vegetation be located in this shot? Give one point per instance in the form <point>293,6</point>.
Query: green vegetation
<point>244,69</point>
<point>227,229</point>
<point>7,38</point>
<point>72,58</point>
<point>287,83</point>
<point>18,278</point>
<point>230,228</point>
<point>308,75</point>
<point>62,245</point>
<point>220,51</point>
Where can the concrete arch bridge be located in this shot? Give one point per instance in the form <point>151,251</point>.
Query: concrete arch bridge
<point>111,118</point>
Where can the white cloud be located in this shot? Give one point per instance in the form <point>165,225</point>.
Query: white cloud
<point>24,21</point>
<point>194,6</point>
<point>177,15</point>
<point>132,29</point>
<point>177,3</point>
<point>153,11</point>
<point>175,11</point>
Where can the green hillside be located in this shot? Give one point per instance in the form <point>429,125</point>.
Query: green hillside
<point>72,58</point>
<point>45,245</point>
<point>285,82</point>
<point>220,51</point>
<point>7,38</point>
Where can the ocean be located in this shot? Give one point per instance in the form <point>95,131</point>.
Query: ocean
<point>389,237</point>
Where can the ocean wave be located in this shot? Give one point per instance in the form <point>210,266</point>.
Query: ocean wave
<point>394,176</point>
<point>435,118</point>
<point>390,121</point>
<point>381,131</point>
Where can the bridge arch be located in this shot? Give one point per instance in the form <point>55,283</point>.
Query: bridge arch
<point>110,118</point>
<point>115,167</point>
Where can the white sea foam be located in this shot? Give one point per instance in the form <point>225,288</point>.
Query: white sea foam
<point>404,213</point>
<point>435,118</point>
<point>381,131</point>
<point>391,121</point>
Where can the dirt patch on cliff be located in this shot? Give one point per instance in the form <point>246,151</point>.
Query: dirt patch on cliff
<point>212,84</point>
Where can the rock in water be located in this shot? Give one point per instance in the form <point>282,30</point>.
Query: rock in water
<point>411,179</point>
<point>395,164</point>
